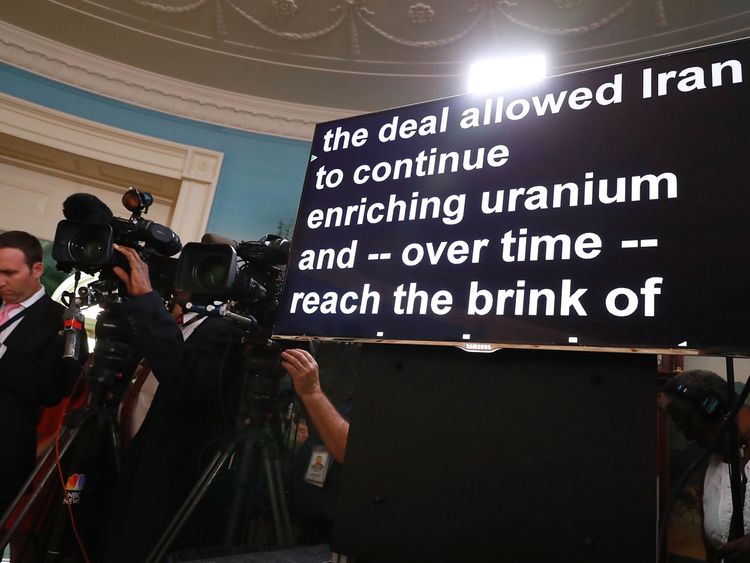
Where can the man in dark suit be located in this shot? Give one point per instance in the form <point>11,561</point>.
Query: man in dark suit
<point>32,371</point>
<point>192,370</point>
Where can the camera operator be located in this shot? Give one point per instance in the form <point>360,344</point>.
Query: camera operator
<point>181,401</point>
<point>332,427</point>
<point>697,401</point>
<point>32,371</point>
<point>316,468</point>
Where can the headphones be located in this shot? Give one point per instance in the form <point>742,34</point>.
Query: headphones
<point>708,403</point>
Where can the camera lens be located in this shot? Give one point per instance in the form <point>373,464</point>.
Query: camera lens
<point>210,273</point>
<point>87,246</point>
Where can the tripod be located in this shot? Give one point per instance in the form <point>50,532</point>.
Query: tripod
<point>256,439</point>
<point>75,422</point>
<point>81,435</point>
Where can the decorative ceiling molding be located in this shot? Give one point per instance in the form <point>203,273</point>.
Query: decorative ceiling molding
<point>350,15</point>
<point>502,8</point>
<point>279,67</point>
<point>53,60</point>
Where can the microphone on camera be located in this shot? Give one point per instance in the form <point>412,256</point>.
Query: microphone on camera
<point>221,311</point>
<point>87,208</point>
<point>73,321</point>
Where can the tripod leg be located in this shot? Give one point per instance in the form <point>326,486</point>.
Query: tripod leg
<point>282,523</point>
<point>114,436</point>
<point>69,436</point>
<point>273,495</point>
<point>284,508</point>
<point>241,485</point>
<point>192,500</point>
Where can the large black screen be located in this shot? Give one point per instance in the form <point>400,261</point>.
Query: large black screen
<point>603,209</point>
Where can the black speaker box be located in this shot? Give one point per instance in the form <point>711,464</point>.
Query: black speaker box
<point>533,456</point>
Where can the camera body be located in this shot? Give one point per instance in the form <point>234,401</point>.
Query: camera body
<point>83,241</point>
<point>247,278</point>
<point>246,274</point>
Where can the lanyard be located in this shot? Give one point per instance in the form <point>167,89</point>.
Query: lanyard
<point>14,319</point>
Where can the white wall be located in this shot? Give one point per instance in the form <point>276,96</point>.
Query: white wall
<point>32,201</point>
<point>718,364</point>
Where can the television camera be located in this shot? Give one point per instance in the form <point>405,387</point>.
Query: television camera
<point>238,281</point>
<point>242,282</point>
<point>246,275</point>
<point>84,239</point>
<point>83,242</point>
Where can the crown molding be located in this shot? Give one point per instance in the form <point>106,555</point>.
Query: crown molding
<point>53,60</point>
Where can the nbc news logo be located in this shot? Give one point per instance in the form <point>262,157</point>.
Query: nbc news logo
<point>74,488</point>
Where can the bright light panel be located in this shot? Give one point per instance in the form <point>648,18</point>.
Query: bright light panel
<point>501,74</point>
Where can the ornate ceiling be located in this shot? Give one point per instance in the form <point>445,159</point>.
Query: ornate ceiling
<point>353,55</point>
